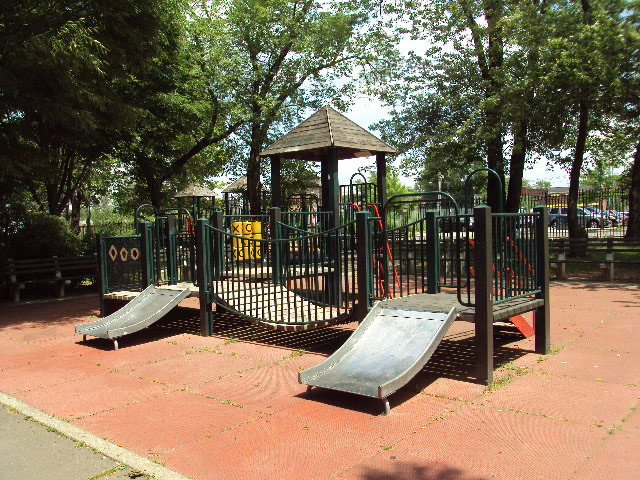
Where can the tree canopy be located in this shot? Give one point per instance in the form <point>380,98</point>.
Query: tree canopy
<point>125,102</point>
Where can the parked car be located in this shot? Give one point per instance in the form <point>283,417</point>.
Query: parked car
<point>586,218</point>
<point>603,215</point>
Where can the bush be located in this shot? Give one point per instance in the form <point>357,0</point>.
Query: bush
<point>43,236</point>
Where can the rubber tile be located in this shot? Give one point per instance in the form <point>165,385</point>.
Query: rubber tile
<point>165,422</point>
<point>391,465</point>
<point>43,371</point>
<point>267,389</point>
<point>342,412</point>
<point>575,400</point>
<point>194,369</point>
<point>86,396</point>
<point>617,457</point>
<point>588,363</point>
<point>489,443</point>
<point>276,446</point>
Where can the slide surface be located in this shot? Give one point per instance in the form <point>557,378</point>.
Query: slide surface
<point>387,350</point>
<point>148,307</point>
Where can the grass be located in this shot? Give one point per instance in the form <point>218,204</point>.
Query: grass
<point>233,404</point>
<point>513,372</point>
<point>106,473</point>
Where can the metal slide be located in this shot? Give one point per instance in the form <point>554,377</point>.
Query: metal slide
<point>148,307</point>
<point>387,350</point>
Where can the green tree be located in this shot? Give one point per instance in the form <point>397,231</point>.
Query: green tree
<point>285,58</point>
<point>585,62</point>
<point>62,108</point>
<point>543,184</point>
<point>469,99</point>
<point>187,110</point>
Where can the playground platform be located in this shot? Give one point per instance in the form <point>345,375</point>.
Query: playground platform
<point>230,405</point>
<point>438,302</point>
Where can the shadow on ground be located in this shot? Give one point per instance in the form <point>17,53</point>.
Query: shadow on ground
<point>412,471</point>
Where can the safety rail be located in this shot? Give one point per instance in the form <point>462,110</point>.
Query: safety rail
<point>289,279</point>
<point>185,261</point>
<point>455,235</point>
<point>310,222</point>
<point>412,250</point>
<point>121,260</point>
<point>514,256</point>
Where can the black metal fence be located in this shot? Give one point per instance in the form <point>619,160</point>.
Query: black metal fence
<point>603,213</point>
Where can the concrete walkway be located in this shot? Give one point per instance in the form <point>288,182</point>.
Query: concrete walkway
<point>32,451</point>
<point>229,406</point>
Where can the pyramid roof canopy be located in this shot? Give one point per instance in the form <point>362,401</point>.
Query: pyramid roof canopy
<point>327,128</point>
<point>195,190</point>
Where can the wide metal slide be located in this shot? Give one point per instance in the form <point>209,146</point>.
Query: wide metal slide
<point>387,350</point>
<point>148,307</point>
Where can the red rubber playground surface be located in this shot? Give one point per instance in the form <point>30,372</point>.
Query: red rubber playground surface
<point>229,406</point>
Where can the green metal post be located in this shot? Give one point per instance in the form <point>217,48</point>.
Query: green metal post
<point>157,265</point>
<point>364,267</point>
<point>433,252</point>
<point>276,260</point>
<point>146,260</point>
<point>103,284</point>
<point>541,315</point>
<point>203,255</point>
<point>172,251</point>
<point>483,285</point>
<point>218,246</point>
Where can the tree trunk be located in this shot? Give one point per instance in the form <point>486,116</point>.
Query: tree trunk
<point>633,225</point>
<point>253,181</point>
<point>76,205</point>
<point>253,169</point>
<point>495,54</point>
<point>516,166</point>
<point>575,230</point>
<point>155,194</point>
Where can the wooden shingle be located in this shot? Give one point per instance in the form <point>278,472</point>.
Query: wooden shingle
<point>325,129</point>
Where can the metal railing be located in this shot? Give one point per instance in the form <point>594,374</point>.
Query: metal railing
<point>291,279</point>
<point>310,222</point>
<point>121,263</point>
<point>514,255</point>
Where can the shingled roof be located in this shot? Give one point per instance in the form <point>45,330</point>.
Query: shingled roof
<point>324,129</point>
<point>195,190</point>
<point>238,185</point>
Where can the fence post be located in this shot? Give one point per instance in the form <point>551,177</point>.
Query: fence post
<point>384,244</point>
<point>609,259</point>
<point>172,267</point>
<point>433,252</point>
<point>218,245</point>
<point>541,321</point>
<point>483,260</point>
<point>102,273</point>
<point>146,244</point>
<point>561,268</point>
<point>363,254</point>
<point>275,217</point>
<point>203,256</point>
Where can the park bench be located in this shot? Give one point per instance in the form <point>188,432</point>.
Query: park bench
<point>58,270</point>
<point>561,250</point>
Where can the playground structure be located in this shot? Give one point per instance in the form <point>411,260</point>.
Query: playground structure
<point>333,262</point>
